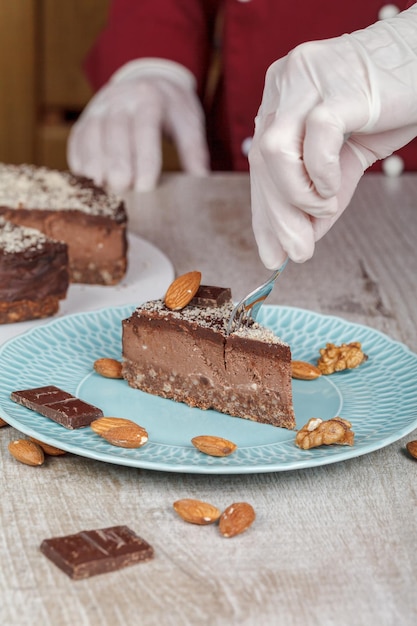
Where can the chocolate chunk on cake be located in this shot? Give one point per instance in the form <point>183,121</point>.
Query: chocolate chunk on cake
<point>187,356</point>
<point>71,209</point>
<point>58,405</point>
<point>92,552</point>
<point>33,273</point>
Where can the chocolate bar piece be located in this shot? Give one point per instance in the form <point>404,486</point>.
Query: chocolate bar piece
<point>92,552</point>
<point>60,406</point>
<point>210,296</point>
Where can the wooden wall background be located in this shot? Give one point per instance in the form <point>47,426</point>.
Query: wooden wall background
<point>42,86</point>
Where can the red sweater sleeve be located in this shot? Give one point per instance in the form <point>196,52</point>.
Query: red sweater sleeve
<point>179,30</point>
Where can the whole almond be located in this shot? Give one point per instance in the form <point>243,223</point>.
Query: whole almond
<point>304,370</point>
<point>47,448</point>
<point>196,511</point>
<point>109,368</point>
<point>182,290</point>
<point>120,431</point>
<point>412,448</point>
<point>130,436</point>
<point>27,452</point>
<point>213,446</point>
<point>236,519</point>
<point>103,424</point>
<point>3,423</point>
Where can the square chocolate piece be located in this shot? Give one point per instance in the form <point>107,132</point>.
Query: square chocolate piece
<point>58,405</point>
<point>92,552</point>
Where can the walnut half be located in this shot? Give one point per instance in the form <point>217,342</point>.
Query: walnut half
<point>337,358</point>
<point>318,433</point>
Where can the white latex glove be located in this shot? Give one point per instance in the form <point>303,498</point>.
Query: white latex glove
<point>117,139</point>
<point>329,110</point>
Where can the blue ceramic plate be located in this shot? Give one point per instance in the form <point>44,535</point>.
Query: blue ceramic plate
<point>379,398</point>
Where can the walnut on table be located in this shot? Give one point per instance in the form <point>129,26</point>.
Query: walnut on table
<point>337,358</point>
<point>318,432</point>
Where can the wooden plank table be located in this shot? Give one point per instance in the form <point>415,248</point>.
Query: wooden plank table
<point>331,545</point>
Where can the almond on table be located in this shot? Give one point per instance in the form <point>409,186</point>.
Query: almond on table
<point>412,448</point>
<point>237,518</point>
<point>47,448</point>
<point>27,452</point>
<point>196,511</point>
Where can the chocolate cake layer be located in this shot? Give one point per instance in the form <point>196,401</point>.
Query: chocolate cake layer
<point>92,552</point>
<point>33,273</point>
<point>58,405</point>
<point>71,209</point>
<point>186,356</point>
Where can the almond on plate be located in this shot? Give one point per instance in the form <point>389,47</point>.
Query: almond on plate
<point>131,436</point>
<point>304,370</point>
<point>120,431</point>
<point>103,424</point>
<point>213,446</point>
<point>109,368</point>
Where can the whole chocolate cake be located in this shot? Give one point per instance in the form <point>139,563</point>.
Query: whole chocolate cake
<point>71,209</point>
<point>187,356</point>
<point>33,273</point>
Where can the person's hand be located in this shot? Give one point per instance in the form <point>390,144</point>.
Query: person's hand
<point>329,110</point>
<point>117,139</point>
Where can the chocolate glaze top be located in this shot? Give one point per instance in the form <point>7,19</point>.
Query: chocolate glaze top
<point>215,318</point>
<point>31,187</point>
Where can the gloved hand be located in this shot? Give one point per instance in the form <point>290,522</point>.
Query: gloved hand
<point>329,110</point>
<point>117,139</point>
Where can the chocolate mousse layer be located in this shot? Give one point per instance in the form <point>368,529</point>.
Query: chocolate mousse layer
<point>187,356</point>
<point>72,209</point>
<point>33,273</point>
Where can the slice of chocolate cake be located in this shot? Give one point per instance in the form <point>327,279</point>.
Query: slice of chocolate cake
<point>187,356</point>
<point>33,273</point>
<point>72,209</point>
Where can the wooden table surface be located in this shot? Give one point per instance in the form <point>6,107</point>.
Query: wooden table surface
<point>331,546</point>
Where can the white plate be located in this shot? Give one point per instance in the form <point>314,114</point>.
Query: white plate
<point>379,397</point>
<point>148,275</point>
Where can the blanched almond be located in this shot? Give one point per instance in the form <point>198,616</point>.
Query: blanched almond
<point>213,446</point>
<point>182,290</point>
<point>27,452</point>
<point>304,370</point>
<point>109,368</point>
<point>236,519</point>
<point>196,511</point>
